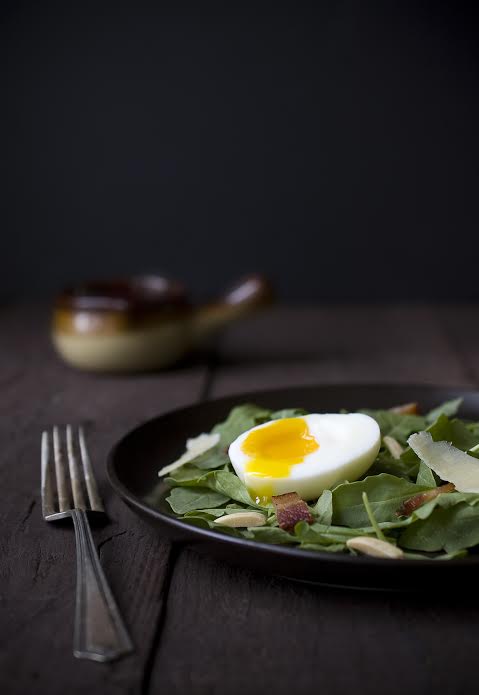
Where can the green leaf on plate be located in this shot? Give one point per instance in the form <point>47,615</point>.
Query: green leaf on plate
<point>448,408</point>
<point>385,463</point>
<point>229,484</point>
<point>270,534</point>
<point>321,534</point>
<point>240,419</point>
<point>324,508</point>
<point>186,476</point>
<point>372,519</point>
<point>185,499</point>
<point>451,529</point>
<point>454,431</point>
<point>288,412</point>
<point>425,476</point>
<point>385,493</point>
<point>213,458</point>
<point>397,425</point>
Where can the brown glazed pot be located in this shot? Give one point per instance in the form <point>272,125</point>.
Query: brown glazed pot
<point>144,322</point>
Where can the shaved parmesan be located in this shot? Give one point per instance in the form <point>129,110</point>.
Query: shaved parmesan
<point>194,447</point>
<point>447,461</point>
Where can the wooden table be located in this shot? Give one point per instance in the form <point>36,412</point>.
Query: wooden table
<point>200,626</point>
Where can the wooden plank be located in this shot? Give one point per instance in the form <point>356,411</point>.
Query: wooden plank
<point>192,648</point>
<point>461,329</point>
<point>38,560</point>
<point>338,344</point>
<point>229,630</point>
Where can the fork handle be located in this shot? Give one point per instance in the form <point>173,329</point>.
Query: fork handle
<point>100,633</point>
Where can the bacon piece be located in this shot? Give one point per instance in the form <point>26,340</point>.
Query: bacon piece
<point>409,506</point>
<point>406,409</point>
<point>290,509</point>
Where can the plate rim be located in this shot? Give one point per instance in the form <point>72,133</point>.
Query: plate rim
<point>283,550</point>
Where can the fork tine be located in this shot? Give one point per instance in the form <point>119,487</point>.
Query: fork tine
<point>63,496</point>
<point>75,477</point>
<point>48,503</point>
<point>93,494</point>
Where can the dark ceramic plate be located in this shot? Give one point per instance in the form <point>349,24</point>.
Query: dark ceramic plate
<point>134,463</point>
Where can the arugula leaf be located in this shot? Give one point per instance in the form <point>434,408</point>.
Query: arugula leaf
<point>324,508</point>
<point>448,408</point>
<point>321,534</point>
<point>453,431</point>
<point>288,412</point>
<point>372,519</point>
<point>425,476</point>
<point>229,484</point>
<point>473,428</point>
<point>203,522</point>
<point>240,419</point>
<point>450,529</point>
<point>184,499</point>
<point>187,475</point>
<point>270,534</point>
<point>213,458</point>
<point>385,463</point>
<point>223,482</point>
<point>397,425</point>
<point>385,493</point>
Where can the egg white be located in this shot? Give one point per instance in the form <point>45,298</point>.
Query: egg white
<point>348,445</point>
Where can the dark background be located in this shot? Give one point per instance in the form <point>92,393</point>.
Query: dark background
<point>334,147</point>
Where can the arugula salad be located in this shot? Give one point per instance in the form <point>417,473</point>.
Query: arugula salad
<point>418,499</point>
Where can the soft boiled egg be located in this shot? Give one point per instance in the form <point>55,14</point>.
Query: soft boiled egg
<point>305,454</point>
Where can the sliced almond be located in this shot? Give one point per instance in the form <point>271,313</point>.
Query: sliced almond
<point>393,446</point>
<point>241,519</point>
<point>375,547</point>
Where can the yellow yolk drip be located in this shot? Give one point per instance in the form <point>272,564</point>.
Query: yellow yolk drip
<point>274,449</point>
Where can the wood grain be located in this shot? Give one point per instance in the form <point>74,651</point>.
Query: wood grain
<point>230,631</point>
<point>224,630</point>
<point>38,560</point>
<point>340,344</point>
<point>461,329</point>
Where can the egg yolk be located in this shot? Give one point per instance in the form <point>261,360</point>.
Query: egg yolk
<point>274,449</point>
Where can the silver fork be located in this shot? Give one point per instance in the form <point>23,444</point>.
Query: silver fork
<point>100,633</point>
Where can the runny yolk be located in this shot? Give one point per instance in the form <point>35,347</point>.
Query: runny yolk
<point>274,449</point>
